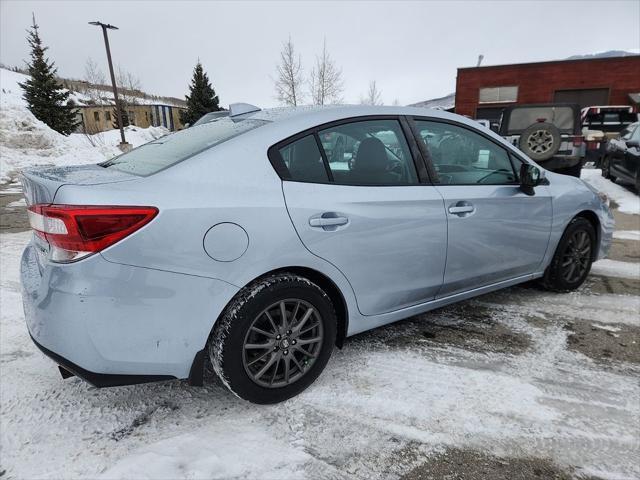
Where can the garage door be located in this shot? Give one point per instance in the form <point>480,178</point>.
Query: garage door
<point>584,97</point>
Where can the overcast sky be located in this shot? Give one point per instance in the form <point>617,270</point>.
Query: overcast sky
<point>411,49</point>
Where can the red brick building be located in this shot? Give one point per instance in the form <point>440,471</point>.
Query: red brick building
<point>482,92</point>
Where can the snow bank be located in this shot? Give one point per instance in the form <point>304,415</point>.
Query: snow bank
<point>627,234</point>
<point>25,141</point>
<point>628,201</point>
<point>616,268</point>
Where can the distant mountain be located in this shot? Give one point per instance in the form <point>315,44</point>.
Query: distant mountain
<point>607,54</point>
<point>443,103</point>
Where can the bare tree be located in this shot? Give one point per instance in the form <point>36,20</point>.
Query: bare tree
<point>325,80</point>
<point>129,87</point>
<point>373,95</point>
<point>289,81</point>
<point>94,78</point>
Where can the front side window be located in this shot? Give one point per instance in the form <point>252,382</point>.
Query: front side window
<point>171,149</point>
<point>96,116</point>
<point>463,157</point>
<point>370,152</point>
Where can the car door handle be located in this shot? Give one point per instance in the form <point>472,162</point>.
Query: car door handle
<point>328,221</point>
<point>461,209</point>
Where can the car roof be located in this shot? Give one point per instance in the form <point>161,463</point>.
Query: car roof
<point>284,122</point>
<point>340,111</point>
<point>287,121</point>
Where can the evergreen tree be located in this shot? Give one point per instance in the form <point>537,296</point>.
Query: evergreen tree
<point>45,97</point>
<point>202,97</point>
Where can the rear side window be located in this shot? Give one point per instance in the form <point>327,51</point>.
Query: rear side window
<point>371,152</point>
<point>171,149</point>
<point>304,161</point>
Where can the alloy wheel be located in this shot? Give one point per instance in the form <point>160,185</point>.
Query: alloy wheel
<point>282,343</point>
<point>576,257</point>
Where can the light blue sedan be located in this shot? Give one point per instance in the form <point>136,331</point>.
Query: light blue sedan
<point>262,240</point>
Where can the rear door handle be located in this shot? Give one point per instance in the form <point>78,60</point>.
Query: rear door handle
<point>328,221</point>
<point>461,209</point>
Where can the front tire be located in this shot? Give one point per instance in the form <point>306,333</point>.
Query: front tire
<point>572,261</point>
<point>274,338</point>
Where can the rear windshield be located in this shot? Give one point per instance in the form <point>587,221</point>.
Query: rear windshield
<point>171,149</point>
<point>561,117</point>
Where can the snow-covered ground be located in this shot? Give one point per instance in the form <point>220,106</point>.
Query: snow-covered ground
<point>25,141</point>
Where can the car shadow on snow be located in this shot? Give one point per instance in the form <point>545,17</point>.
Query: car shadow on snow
<point>469,325</point>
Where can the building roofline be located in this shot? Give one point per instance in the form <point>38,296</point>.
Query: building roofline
<point>113,105</point>
<point>547,62</point>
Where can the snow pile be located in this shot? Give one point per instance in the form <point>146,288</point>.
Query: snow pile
<point>627,201</point>
<point>25,141</point>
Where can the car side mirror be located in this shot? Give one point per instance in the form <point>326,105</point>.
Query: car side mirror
<point>633,143</point>
<point>495,127</point>
<point>530,176</point>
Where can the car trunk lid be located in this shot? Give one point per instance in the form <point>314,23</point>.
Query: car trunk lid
<point>40,185</point>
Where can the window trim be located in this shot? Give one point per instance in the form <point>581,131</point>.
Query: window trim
<point>277,162</point>
<point>413,119</point>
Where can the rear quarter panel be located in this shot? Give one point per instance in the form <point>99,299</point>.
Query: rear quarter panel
<point>234,182</point>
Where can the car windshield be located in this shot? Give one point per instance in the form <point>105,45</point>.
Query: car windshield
<point>171,149</point>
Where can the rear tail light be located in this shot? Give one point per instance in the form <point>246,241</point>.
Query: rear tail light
<point>76,231</point>
<point>577,140</point>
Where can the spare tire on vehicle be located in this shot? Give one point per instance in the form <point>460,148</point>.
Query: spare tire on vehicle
<point>540,141</point>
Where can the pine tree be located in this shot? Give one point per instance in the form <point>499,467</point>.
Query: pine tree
<point>45,97</point>
<point>202,97</point>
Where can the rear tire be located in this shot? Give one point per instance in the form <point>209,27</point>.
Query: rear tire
<point>264,356</point>
<point>572,260</point>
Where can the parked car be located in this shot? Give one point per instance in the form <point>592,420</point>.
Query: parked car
<point>240,244</point>
<point>601,123</point>
<point>550,134</point>
<point>622,157</point>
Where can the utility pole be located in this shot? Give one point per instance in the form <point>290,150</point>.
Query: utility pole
<point>124,146</point>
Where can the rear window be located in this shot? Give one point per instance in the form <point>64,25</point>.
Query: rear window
<point>561,117</point>
<point>171,149</point>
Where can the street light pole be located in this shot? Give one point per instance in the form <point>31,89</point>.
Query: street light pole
<point>113,77</point>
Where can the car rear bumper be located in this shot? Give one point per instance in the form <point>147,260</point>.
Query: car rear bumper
<point>114,324</point>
